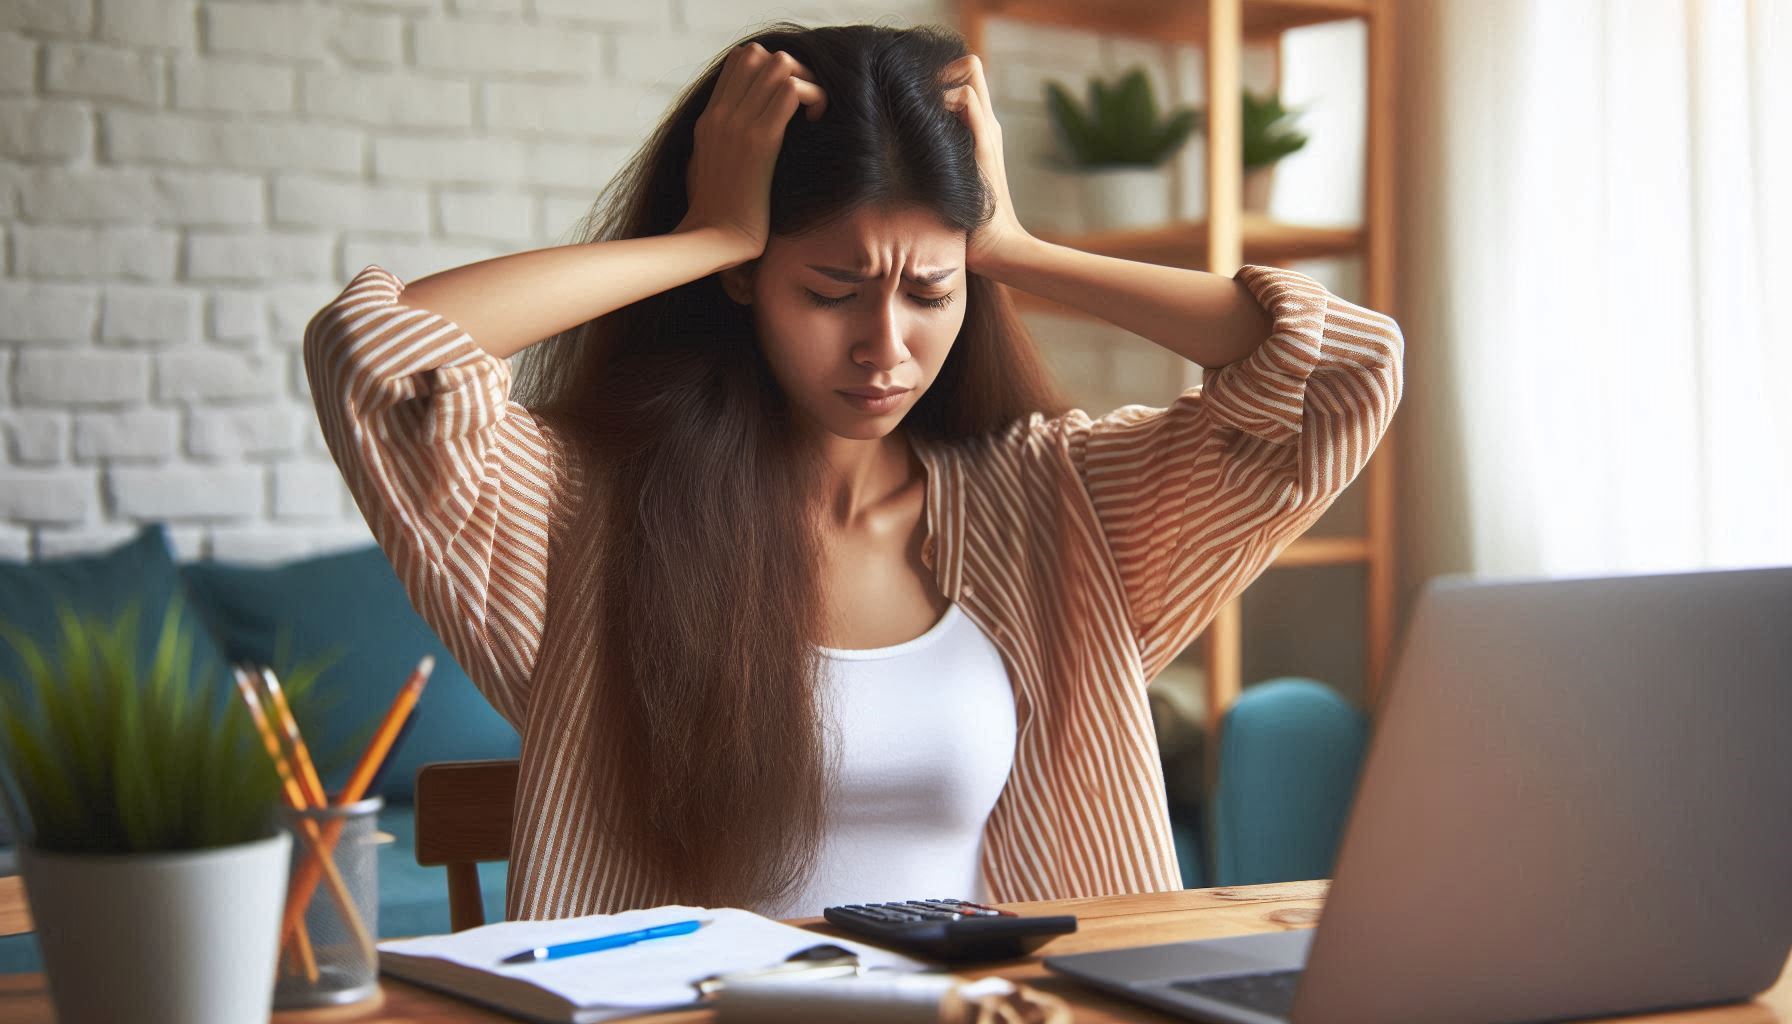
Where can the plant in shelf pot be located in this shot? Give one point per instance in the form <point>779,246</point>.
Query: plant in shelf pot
<point>1119,145</point>
<point>1266,140</point>
<point>152,851</point>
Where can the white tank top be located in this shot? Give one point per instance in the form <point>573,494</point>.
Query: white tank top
<point>921,739</point>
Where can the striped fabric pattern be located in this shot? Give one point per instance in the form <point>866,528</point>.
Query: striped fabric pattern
<point>1090,550</point>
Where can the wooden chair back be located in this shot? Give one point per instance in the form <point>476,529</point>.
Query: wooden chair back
<point>463,813</point>
<point>15,910</point>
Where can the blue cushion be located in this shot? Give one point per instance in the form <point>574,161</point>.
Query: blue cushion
<point>102,584</point>
<point>1290,751</point>
<point>1185,830</point>
<point>352,605</point>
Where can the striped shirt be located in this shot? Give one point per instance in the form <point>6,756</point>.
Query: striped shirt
<point>1091,550</point>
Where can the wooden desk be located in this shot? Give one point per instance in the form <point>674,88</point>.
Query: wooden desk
<point>1104,924</point>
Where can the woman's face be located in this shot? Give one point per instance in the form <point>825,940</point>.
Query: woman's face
<point>874,301</point>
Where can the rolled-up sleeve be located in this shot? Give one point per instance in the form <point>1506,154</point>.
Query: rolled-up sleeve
<point>454,479</point>
<point>1196,499</point>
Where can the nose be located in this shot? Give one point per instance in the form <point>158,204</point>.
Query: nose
<point>881,347</point>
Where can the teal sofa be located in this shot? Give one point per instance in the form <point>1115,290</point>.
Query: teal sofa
<point>1289,750</point>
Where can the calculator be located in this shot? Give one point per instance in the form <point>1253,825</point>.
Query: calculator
<point>951,930</point>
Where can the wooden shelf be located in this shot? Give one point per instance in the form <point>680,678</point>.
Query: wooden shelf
<point>1184,244</point>
<point>1180,22</point>
<point>1227,236</point>
<point>1307,551</point>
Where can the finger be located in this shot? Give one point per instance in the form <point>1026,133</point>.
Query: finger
<point>963,106</point>
<point>785,101</point>
<point>958,86</point>
<point>737,75</point>
<point>980,85</point>
<point>788,85</point>
<point>768,81</point>
<point>810,95</point>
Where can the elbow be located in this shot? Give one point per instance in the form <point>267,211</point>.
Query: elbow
<point>1393,364</point>
<point>334,354</point>
<point>1394,368</point>
<point>320,351</point>
<point>324,334</point>
<point>1390,340</point>
<point>1381,367</point>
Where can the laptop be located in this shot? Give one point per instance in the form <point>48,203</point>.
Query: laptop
<point>1577,802</point>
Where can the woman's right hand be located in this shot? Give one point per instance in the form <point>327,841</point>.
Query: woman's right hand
<point>729,180</point>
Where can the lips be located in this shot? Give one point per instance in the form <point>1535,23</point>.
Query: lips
<point>873,392</point>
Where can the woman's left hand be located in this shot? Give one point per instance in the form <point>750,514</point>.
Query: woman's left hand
<point>995,240</point>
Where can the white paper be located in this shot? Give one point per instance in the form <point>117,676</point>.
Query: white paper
<point>651,973</point>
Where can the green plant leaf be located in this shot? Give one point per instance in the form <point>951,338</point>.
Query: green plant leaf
<point>1121,125</point>
<point>1266,139</point>
<point>1137,113</point>
<point>1174,134</point>
<point>112,753</point>
<point>1072,126</point>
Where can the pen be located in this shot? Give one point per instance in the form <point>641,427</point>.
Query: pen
<point>603,942</point>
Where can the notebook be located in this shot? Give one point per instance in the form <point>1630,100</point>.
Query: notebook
<point>644,977</point>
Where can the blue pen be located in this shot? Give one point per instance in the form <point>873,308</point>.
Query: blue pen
<point>555,952</point>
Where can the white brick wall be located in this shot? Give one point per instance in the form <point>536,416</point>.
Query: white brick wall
<point>184,182</point>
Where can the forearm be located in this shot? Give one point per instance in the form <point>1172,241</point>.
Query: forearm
<point>1209,319</point>
<point>508,303</point>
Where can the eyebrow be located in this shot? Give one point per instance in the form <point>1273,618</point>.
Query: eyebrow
<point>846,276</point>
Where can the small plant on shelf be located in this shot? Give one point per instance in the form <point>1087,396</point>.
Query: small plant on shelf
<point>1121,126</point>
<point>1117,144</point>
<point>1267,139</point>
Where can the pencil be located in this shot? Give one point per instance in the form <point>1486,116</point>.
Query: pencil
<point>388,731</point>
<point>404,730</point>
<point>295,798</point>
<point>314,787</point>
<point>306,881</point>
<point>288,784</point>
<point>289,788</point>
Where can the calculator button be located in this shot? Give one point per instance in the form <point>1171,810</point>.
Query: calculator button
<point>964,908</point>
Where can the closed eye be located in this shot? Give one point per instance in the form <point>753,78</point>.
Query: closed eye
<point>830,302</point>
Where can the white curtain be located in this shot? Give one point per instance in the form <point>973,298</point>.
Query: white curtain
<point>1595,268</point>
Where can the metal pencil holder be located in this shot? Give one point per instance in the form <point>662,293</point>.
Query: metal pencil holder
<point>327,957</point>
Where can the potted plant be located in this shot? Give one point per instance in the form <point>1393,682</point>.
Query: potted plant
<point>1266,140</point>
<point>152,854</point>
<point>1119,143</point>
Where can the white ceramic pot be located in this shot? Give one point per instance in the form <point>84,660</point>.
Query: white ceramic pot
<point>1258,183</point>
<point>160,938</point>
<point>1126,197</point>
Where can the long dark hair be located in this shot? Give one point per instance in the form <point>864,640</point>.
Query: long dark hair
<point>687,584</point>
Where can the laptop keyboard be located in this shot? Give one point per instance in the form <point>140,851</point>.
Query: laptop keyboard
<point>1271,992</point>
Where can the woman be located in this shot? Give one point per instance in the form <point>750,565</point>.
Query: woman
<point>773,641</point>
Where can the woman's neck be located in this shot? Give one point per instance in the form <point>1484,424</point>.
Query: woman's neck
<point>865,474</point>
